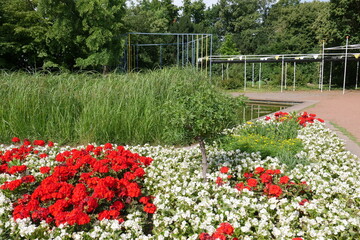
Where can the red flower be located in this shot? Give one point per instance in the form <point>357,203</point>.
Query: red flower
<point>108,146</point>
<point>267,118</point>
<point>225,228</point>
<point>43,155</point>
<point>265,178</point>
<point>224,169</point>
<point>302,202</point>
<point>150,208</point>
<point>45,169</point>
<point>284,180</point>
<point>205,236</point>
<point>241,186</point>
<point>219,181</point>
<point>15,139</point>
<point>252,182</point>
<point>259,170</point>
<point>26,142</point>
<point>248,175</point>
<point>39,143</point>
<point>217,235</point>
<point>274,190</point>
<point>17,169</point>
<point>28,179</point>
<point>297,238</point>
<point>50,144</point>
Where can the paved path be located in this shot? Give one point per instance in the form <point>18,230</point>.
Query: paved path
<point>332,106</point>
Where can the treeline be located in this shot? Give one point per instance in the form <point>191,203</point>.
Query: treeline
<point>89,34</point>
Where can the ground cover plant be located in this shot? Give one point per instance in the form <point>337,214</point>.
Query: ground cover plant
<point>83,108</point>
<point>246,196</point>
<point>277,138</point>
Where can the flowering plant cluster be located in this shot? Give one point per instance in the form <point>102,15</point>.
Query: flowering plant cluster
<point>224,230</point>
<point>302,119</point>
<point>86,185</point>
<point>187,207</point>
<point>268,182</point>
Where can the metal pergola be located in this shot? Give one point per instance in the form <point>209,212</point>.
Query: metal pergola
<point>192,49</point>
<point>325,56</point>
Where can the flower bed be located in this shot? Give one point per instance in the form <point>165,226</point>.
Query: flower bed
<point>242,206</point>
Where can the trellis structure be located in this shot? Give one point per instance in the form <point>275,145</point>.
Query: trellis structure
<point>327,55</point>
<point>190,48</point>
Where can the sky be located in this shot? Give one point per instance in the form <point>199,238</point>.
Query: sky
<point>209,3</point>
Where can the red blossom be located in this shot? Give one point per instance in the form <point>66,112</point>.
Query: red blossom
<point>72,194</point>
<point>284,180</point>
<point>224,169</point>
<point>248,175</point>
<point>252,182</point>
<point>150,208</point>
<point>265,178</point>
<point>15,139</point>
<point>39,143</point>
<point>302,202</point>
<point>45,169</point>
<point>259,170</point>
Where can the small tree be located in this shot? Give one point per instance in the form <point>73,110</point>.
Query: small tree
<point>202,112</point>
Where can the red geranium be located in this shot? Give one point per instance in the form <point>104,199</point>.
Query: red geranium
<point>224,169</point>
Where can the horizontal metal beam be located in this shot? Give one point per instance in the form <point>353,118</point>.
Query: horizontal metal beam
<point>280,60</point>
<point>170,34</point>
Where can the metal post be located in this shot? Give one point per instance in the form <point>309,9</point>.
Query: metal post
<point>357,74</point>
<point>137,58</point>
<point>259,75</point>
<point>211,47</point>
<point>346,50</point>
<point>178,53</point>
<point>197,52</point>
<point>319,75</point>
<point>182,50</point>
<point>227,71</point>
<point>187,49</point>
<point>222,72</point>
<point>206,53</point>
<point>252,76</point>
<point>282,74</point>
<point>294,76</point>
<point>245,74</point>
<point>252,112</point>
<point>129,54</point>
<point>160,56</point>
<point>322,66</point>
<point>192,51</point>
<point>285,78</point>
<point>331,63</point>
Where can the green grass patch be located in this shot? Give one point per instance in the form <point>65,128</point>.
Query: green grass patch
<point>83,108</point>
<point>346,133</point>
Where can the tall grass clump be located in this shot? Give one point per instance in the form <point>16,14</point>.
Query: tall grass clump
<point>82,108</point>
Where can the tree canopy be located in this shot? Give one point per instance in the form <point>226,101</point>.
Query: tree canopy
<point>75,35</point>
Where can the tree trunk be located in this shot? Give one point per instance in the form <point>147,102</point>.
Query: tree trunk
<point>204,158</point>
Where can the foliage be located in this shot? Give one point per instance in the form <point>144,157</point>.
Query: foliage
<point>78,108</point>
<point>201,110</point>
<point>271,137</point>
